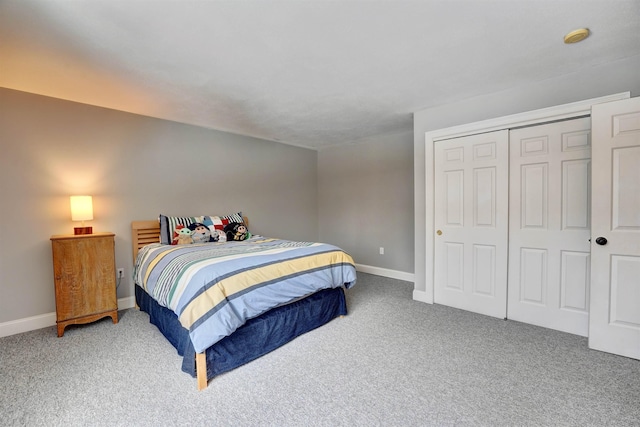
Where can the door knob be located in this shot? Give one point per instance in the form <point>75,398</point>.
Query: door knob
<point>439,232</point>
<point>601,241</point>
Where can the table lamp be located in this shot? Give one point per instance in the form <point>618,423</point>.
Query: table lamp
<point>82,210</point>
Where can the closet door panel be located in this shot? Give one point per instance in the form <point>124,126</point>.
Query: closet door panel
<point>575,194</point>
<point>471,219</point>
<point>574,281</point>
<point>549,197</point>
<point>533,276</point>
<point>534,180</point>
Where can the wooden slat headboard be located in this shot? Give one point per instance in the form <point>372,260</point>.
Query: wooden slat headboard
<point>147,232</point>
<point>144,233</point>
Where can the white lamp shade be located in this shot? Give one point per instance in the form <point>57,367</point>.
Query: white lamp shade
<point>81,208</point>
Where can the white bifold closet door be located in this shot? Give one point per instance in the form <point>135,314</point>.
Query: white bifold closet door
<point>471,218</point>
<point>549,225</point>
<point>513,226</point>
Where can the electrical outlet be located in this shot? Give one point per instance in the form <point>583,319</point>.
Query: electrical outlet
<point>381,250</point>
<point>120,273</point>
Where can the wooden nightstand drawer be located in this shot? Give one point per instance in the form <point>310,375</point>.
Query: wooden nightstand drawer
<point>84,274</point>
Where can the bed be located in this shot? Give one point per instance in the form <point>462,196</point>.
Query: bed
<point>222,305</point>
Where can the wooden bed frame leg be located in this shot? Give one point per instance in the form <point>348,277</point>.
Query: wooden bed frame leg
<point>201,371</point>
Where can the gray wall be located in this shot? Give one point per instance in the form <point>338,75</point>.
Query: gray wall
<point>607,79</point>
<point>135,168</point>
<point>359,196</point>
<point>365,194</point>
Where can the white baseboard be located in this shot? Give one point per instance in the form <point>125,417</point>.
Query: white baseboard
<point>27,324</point>
<point>127,302</point>
<point>422,296</point>
<point>46,320</point>
<point>385,272</point>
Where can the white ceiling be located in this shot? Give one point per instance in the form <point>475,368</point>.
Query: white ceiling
<point>312,73</point>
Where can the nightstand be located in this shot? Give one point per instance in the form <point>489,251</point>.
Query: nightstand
<point>84,273</point>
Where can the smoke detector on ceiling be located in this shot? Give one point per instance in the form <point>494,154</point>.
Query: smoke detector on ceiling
<point>576,36</point>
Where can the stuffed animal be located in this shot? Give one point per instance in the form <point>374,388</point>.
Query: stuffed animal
<point>236,231</point>
<point>200,233</point>
<point>221,235</point>
<point>184,236</point>
<point>174,239</point>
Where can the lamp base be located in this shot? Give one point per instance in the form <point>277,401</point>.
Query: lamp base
<point>82,230</point>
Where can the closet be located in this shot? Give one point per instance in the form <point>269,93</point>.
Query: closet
<point>513,228</point>
<point>535,217</point>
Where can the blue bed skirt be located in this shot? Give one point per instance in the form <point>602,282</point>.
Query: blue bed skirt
<point>255,338</point>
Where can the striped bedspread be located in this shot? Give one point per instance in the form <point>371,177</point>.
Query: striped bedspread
<point>214,288</point>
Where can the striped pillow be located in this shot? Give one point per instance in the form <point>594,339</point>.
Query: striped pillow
<point>168,224</point>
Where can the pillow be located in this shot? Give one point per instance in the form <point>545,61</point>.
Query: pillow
<point>203,228</point>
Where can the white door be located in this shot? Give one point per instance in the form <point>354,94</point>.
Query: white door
<point>614,324</point>
<point>471,219</point>
<point>549,225</point>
